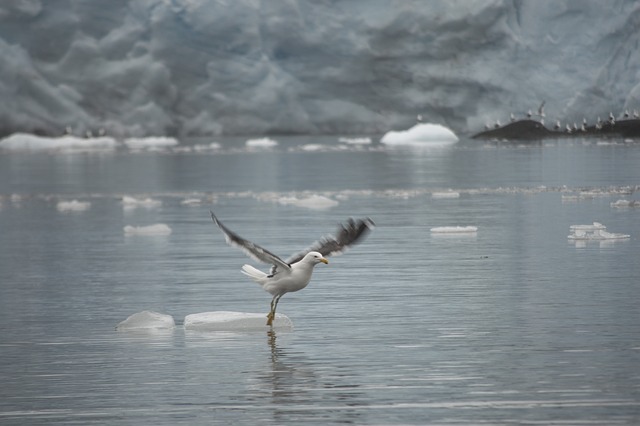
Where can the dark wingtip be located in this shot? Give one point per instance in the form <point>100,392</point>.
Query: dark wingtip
<point>369,223</point>
<point>213,217</point>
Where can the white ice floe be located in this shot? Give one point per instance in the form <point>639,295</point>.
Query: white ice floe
<point>314,202</point>
<point>129,202</point>
<point>73,206</point>
<point>29,142</point>
<point>312,147</point>
<point>234,321</point>
<point>445,194</point>
<point>150,230</point>
<point>191,202</point>
<point>621,204</point>
<point>213,146</point>
<point>421,135</point>
<point>147,320</point>
<point>152,142</point>
<point>597,231</point>
<point>355,141</point>
<point>261,143</point>
<point>454,229</point>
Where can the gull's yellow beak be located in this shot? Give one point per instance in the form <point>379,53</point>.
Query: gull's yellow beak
<point>323,260</point>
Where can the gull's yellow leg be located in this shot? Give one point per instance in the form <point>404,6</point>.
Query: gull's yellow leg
<point>272,314</point>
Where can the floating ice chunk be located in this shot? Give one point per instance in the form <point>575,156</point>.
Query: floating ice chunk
<point>157,229</point>
<point>588,228</point>
<point>133,203</point>
<point>28,142</point>
<point>597,231</point>
<point>147,320</point>
<point>426,135</point>
<point>316,202</point>
<point>261,143</point>
<point>73,206</point>
<point>454,229</point>
<point>234,321</point>
<point>191,202</point>
<point>150,142</point>
<point>312,147</point>
<point>355,141</point>
<point>445,194</point>
<point>620,204</point>
<point>213,146</point>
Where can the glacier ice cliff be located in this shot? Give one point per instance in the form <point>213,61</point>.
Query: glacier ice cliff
<point>207,67</point>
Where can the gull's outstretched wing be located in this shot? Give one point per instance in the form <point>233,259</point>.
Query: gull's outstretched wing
<point>348,234</point>
<point>252,250</point>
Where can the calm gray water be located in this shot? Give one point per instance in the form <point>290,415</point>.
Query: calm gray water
<point>512,325</point>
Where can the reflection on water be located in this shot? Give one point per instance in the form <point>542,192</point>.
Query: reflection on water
<point>511,324</point>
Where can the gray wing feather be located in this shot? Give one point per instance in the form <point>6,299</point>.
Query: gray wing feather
<point>252,250</point>
<point>332,245</point>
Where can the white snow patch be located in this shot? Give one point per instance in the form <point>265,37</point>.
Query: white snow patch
<point>421,135</point>
<point>129,202</point>
<point>150,230</point>
<point>261,143</point>
<point>151,142</point>
<point>146,320</point>
<point>234,321</point>
<point>454,229</point>
<point>73,206</point>
<point>29,142</point>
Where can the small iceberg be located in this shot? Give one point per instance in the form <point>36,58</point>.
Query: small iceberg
<point>261,143</point>
<point>454,229</point>
<point>314,202</point>
<point>130,203</point>
<point>445,194</point>
<point>151,142</point>
<point>151,230</point>
<point>234,321</point>
<point>191,202</point>
<point>355,141</point>
<point>597,231</point>
<point>147,320</point>
<point>623,204</point>
<point>421,135</point>
<point>73,206</point>
<point>29,142</point>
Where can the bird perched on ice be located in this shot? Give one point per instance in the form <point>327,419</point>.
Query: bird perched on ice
<point>294,273</point>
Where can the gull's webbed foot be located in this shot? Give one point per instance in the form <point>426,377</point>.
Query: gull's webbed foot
<point>270,317</point>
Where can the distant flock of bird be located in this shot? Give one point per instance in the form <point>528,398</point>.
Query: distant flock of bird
<point>568,127</point>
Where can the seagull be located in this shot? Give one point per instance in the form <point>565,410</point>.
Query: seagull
<point>557,126</point>
<point>541,109</point>
<point>294,273</point>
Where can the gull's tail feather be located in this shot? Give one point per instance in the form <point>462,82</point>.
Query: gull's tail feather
<point>255,274</point>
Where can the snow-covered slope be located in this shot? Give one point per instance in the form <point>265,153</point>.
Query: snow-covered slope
<point>141,67</point>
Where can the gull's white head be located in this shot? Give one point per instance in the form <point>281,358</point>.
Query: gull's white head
<point>314,258</point>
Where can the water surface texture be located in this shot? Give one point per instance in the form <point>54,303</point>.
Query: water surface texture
<point>513,324</point>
